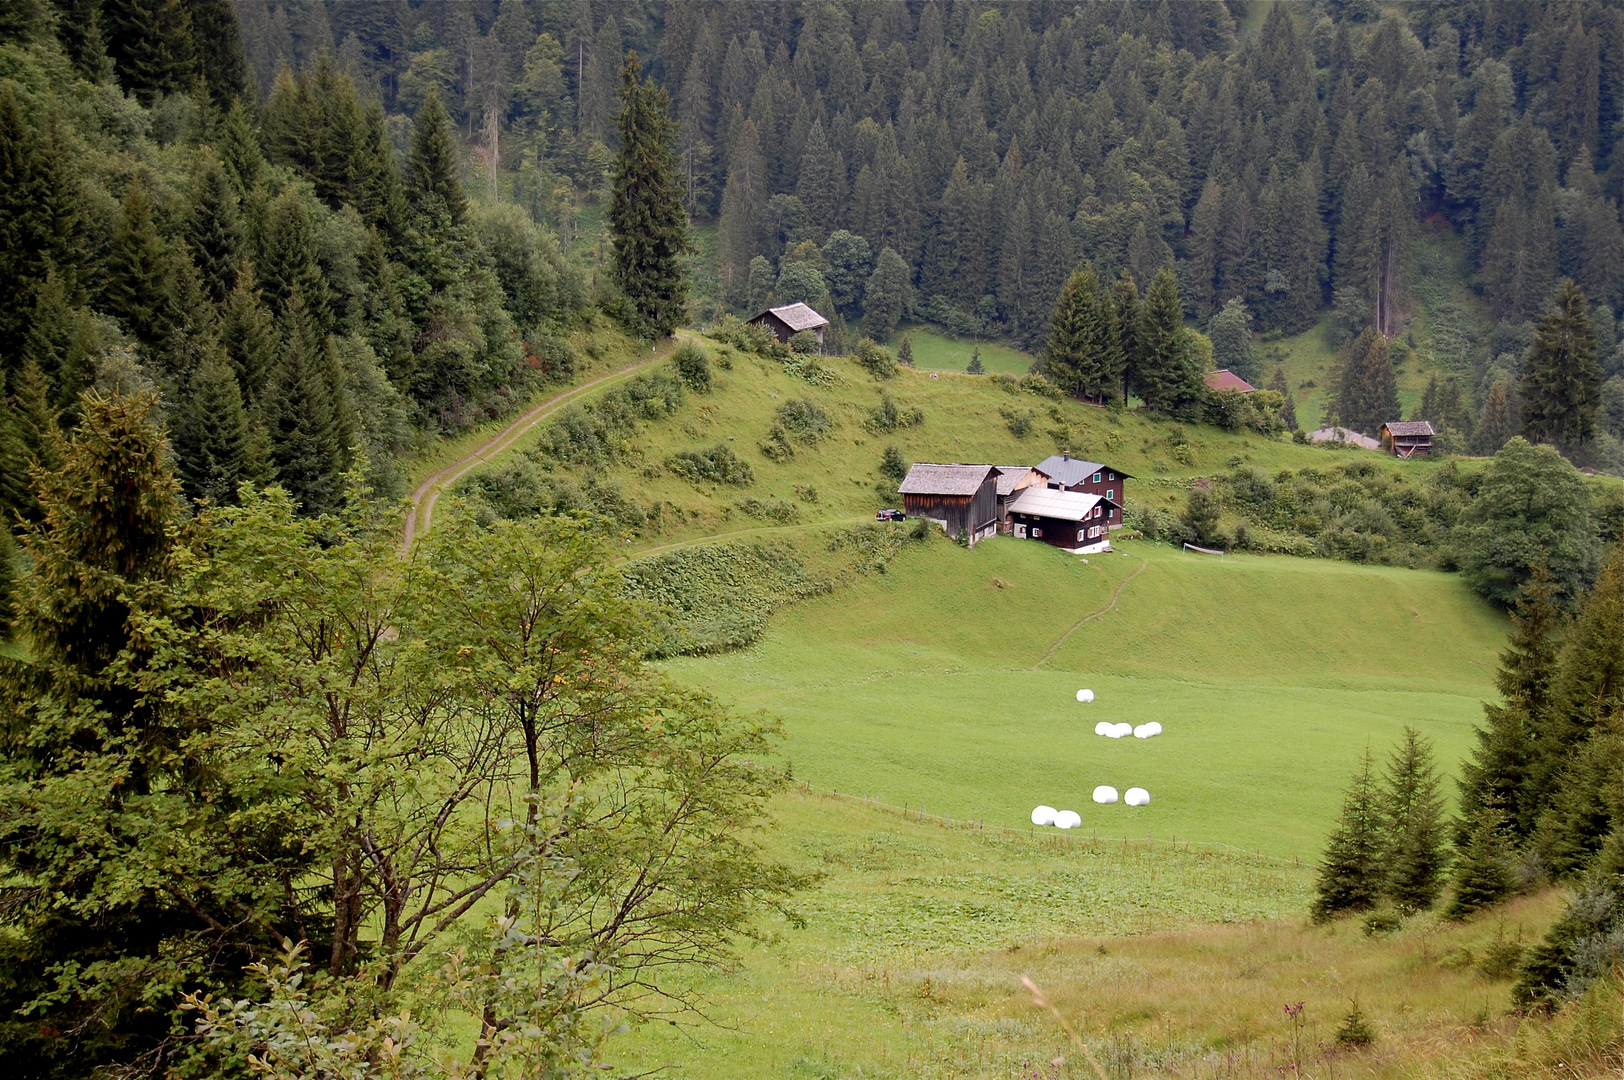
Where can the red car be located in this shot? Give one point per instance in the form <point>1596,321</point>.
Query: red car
<point>890,515</point>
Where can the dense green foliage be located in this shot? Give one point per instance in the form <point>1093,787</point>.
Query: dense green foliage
<point>280,731</point>
<point>646,218</point>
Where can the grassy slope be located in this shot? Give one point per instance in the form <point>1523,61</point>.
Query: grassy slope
<point>923,686</point>
<point>936,352</point>
<point>962,423</point>
<point>916,938</point>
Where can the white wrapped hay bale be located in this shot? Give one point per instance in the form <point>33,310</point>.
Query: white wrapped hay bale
<point>1111,732</point>
<point>1137,796</point>
<point>1067,819</point>
<point>1155,727</point>
<point>1103,727</point>
<point>1123,731</point>
<point>1085,696</point>
<point>1147,731</point>
<point>1105,794</point>
<point>1043,815</point>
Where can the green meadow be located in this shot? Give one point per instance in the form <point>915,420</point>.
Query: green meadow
<point>936,352</point>
<point>950,682</point>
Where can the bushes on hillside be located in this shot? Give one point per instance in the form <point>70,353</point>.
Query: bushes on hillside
<point>599,433</point>
<point>890,416</point>
<point>718,465</point>
<point>802,421</point>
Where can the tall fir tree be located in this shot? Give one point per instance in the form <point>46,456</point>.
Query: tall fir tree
<point>886,296</point>
<point>434,171</point>
<point>213,442</point>
<point>1351,875</point>
<point>1125,324</point>
<point>1367,390</point>
<point>214,227</point>
<point>248,336</point>
<point>304,414</point>
<point>152,46</point>
<point>140,286</point>
<point>1413,824</point>
<point>1288,411</point>
<point>39,214</point>
<point>1165,373</point>
<point>1498,778</point>
<point>1497,422</point>
<point>1230,329</point>
<point>289,258</point>
<point>1562,388</point>
<point>646,218</point>
<point>1482,869</point>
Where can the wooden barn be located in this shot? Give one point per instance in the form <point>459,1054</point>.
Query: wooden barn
<point>1066,473</point>
<point>787,321</point>
<point>1408,438</point>
<point>1073,520</point>
<point>1012,480</point>
<point>959,498</point>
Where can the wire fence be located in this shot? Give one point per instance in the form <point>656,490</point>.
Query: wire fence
<point>948,821</point>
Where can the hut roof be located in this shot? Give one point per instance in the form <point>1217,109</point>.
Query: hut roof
<point>1009,476</point>
<point>1224,379</point>
<point>1342,434</point>
<point>1409,428</point>
<point>1060,505</point>
<point>928,479</point>
<point>797,317</point>
<point>1066,470</point>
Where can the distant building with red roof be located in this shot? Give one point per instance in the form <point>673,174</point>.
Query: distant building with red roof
<point>1224,379</point>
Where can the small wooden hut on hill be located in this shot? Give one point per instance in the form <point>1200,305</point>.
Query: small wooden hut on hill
<point>787,321</point>
<point>1408,438</point>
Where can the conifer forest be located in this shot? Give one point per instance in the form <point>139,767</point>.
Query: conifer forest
<point>281,796</point>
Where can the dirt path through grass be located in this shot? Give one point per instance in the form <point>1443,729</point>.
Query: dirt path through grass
<point>420,515</point>
<point>1089,618</point>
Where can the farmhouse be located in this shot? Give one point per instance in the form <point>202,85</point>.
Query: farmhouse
<point>1067,473</point>
<point>1224,379</point>
<point>1012,480</point>
<point>962,499</point>
<point>1408,438</point>
<point>1073,520</point>
<point>1343,435</point>
<point>787,321</point>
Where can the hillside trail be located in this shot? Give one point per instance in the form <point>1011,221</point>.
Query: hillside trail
<point>420,512</point>
<point>1094,615</point>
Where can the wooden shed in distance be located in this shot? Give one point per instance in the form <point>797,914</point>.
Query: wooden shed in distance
<point>962,499</point>
<point>787,321</point>
<point>1408,438</point>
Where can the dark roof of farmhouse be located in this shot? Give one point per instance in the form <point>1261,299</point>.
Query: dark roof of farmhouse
<point>1224,379</point>
<point>928,479</point>
<point>1067,471</point>
<point>1409,428</point>
<point>1058,505</point>
<point>797,317</point>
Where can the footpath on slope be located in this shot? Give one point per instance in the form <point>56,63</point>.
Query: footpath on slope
<point>1092,615</point>
<point>420,513</point>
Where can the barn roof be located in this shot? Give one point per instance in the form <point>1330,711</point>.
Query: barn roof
<point>1066,470</point>
<point>928,479</point>
<point>1409,428</point>
<point>1224,379</point>
<point>797,317</point>
<point>1060,505</point>
<point>1009,476</point>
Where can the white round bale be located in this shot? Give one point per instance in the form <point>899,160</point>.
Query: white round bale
<point>1155,727</point>
<point>1043,815</point>
<point>1085,696</point>
<point>1124,730</point>
<point>1105,794</point>
<point>1103,727</point>
<point>1112,732</point>
<point>1068,819</point>
<point>1137,796</point>
<point>1143,732</point>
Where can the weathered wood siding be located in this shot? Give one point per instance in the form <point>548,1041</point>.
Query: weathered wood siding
<point>968,514</point>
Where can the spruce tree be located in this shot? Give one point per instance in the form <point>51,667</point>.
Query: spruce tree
<point>79,29</point>
<point>303,414</point>
<point>1413,824</point>
<point>213,229</point>
<point>39,216</point>
<point>1562,387</point>
<point>1497,423</point>
<point>646,219</point>
<point>1288,411</point>
<point>1063,356</point>
<point>1367,391</point>
<point>140,285</point>
<point>1167,378</point>
<point>248,336</point>
<point>240,150</point>
<point>1498,777</point>
<point>1125,339</point>
<point>1482,869</point>
<point>1350,875</point>
<point>214,446</point>
<point>905,351</point>
<point>288,257</point>
<point>434,171</point>
<point>221,63</point>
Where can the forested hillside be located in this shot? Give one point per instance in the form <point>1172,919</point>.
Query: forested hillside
<point>1288,155</point>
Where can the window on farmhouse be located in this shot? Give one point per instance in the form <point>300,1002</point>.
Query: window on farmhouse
<point>1096,478</point>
